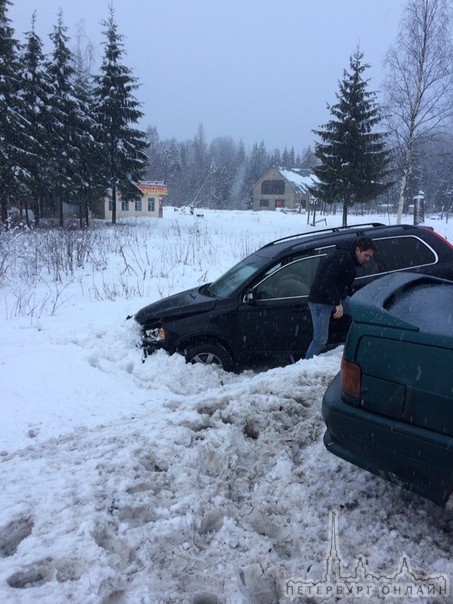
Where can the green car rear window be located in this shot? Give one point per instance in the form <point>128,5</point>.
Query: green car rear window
<point>429,307</point>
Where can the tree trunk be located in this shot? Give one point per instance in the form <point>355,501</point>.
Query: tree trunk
<point>37,211</point>
<point>27,215</point>
<point>4,213</point>
<point>345,214</point>
<point>114,203</point>
<point>405,169</point>
<point>403,180</point>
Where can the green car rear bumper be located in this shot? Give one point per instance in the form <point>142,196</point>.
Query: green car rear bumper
<point>420,459</point>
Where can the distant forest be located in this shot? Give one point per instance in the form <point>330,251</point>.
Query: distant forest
<point>221,173</point>
<point>68,136</point>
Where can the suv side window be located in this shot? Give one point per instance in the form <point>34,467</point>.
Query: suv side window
<point>369,268</point>
<point>397,253</point>
<point>290,281</point>
<point>372,267</point>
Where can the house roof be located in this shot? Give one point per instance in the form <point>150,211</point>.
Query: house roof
<point>299,178</point>
<point>152,187</point>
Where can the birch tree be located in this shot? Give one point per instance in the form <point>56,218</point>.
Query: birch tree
<point>419,81</point>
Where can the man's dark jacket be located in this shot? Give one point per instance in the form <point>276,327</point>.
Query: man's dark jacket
<point>335,275</point>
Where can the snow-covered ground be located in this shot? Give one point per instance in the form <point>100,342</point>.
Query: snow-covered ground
<point>132,482</point>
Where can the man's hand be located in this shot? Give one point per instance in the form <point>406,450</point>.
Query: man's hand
<point>338,312</point>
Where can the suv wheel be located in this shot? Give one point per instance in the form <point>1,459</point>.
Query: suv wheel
<point>209,353</point>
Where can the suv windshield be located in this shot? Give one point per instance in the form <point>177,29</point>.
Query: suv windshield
<point>235,277</point>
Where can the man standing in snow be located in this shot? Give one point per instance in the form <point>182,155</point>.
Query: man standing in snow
<point>331,287</point>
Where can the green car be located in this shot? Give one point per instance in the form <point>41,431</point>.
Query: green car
<point>390,409</point>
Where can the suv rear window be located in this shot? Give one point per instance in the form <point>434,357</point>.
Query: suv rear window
<point>393,254</point>
<point>396,253</point>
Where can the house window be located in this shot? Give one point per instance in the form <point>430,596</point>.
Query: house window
<point>264,203</point>
<point>138,205</point>
<point>273,187</point>
<point>110,204</point>
<point>279,203</point>
<point>151,204</point>
<point>125,206</point>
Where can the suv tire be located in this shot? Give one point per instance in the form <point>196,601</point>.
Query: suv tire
<point>209,353</point>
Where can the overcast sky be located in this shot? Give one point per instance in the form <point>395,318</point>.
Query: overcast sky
<point>253,70</point>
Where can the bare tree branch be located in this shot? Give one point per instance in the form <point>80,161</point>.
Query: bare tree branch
<point>420,79</point>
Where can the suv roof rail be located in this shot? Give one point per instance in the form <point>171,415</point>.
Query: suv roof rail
<point>330,230</point>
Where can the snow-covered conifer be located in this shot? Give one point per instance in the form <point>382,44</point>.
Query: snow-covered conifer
<point>353,153</point>
<point>117,111</point>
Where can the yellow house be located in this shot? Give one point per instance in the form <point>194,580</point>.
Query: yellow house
<point>151,203</point>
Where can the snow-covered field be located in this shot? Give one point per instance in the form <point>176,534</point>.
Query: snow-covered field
<point>159,482</point>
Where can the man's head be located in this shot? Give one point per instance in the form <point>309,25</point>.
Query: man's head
<point>364,249</point>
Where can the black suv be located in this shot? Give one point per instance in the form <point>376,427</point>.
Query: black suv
<point>257,312</point>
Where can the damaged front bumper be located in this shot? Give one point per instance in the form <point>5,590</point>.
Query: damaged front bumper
<point>152,339</point>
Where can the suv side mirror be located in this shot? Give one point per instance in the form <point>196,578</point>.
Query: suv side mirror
<point>249,297</point>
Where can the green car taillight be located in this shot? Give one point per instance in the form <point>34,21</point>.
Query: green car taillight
<point>350,378</point>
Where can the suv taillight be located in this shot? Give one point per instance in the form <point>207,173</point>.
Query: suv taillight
<point>350,378</point>
<point>439,236</point>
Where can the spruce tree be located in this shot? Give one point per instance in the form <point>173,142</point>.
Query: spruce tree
<point>91,182</point>
<point>353,155</point>
<point>237,196</point>
<point>64,120</point>
<point>35,91</point>
<point>258,163</point>
<point>171,160</point>
<point>116,111</point>
<point>13,130</point>
<point>201,168</point>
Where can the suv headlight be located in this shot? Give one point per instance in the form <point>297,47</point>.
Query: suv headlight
<point>157,334</point>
